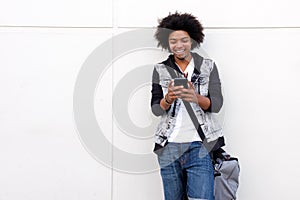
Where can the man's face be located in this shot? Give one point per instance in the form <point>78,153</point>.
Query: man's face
<point>180,44</point>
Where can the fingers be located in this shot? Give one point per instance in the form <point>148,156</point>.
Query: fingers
<point>189,97</point>
<point>188,94</point>
<point>170,83</point>
<point>175,92</point>
<point>172,91</point>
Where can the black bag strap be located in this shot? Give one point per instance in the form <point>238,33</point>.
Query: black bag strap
<point>194,119</point>
<point>210,146</point>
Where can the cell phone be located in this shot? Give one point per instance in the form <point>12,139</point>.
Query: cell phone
<point>181,81</point>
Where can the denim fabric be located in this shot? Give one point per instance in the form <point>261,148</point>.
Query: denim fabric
<point>186,169</point>
<point>206,82</point>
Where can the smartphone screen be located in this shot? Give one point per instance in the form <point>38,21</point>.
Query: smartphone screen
<point>181,81</point>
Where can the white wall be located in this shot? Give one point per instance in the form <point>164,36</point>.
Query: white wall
<point>46,46</point>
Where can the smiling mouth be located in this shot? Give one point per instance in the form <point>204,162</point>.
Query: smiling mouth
<point>179,51</point>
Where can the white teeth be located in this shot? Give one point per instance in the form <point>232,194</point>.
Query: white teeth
<point>179,51</point>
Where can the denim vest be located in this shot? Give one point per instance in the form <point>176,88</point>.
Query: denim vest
<point>207,120</point>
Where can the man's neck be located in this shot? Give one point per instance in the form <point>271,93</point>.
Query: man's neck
<point>183,63</point>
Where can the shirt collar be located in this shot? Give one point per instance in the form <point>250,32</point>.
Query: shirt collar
<point>189,69</point>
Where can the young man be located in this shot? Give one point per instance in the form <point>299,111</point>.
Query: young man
<point>186,167</point>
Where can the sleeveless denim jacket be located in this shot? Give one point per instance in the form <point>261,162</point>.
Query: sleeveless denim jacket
<point>207,120</point>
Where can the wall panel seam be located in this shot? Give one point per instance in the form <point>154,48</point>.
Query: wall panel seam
<point>135,27</point>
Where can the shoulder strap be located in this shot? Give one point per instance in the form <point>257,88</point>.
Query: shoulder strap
<point>194,119</point>
<point>210,146</point>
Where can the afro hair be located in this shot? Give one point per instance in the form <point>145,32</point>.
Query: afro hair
<point>177,21</point>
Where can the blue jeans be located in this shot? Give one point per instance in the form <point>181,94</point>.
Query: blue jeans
<point>186,169</point>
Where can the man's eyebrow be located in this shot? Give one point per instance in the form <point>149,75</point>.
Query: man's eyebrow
<point>179,38</point>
